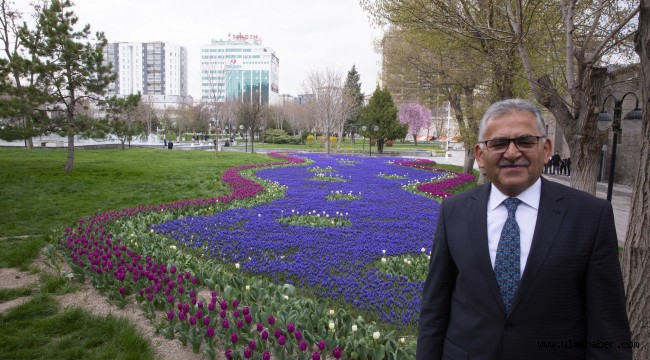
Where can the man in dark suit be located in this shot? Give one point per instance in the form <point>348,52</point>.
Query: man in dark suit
<point>522,268</point>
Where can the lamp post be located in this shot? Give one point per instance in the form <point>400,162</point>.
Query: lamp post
<point>375,129</point>
<point>605,120</point>
<point>241,127</point>
<point>363,128</point>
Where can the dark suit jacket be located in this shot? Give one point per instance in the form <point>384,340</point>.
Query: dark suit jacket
<point>570,303</point>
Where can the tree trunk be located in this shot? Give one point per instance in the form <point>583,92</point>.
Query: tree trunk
<point>580,123</point>
<point>636,257</point>
<point>69,165</point>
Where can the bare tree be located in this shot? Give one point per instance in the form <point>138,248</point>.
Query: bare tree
<point>636,257</point>
<point>330,106</point>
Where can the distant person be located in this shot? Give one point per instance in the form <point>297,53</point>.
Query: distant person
<point>555,162</point>
<point>227,143</point>
<point>164,143</point>
<point>523,267</point>
<point>170,145</point>
<point>568,166</point>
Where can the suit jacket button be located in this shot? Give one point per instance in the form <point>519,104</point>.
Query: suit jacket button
<point>509,326</point>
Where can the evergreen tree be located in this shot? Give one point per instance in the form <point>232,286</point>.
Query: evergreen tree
<point>69,67</point>
<point>381,112</point>
<point>122,119</point>
<point>352,89</point>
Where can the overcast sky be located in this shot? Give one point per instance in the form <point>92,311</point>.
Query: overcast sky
<point>305,34</point>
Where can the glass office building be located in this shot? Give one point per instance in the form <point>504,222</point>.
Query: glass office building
<point>239,68</point>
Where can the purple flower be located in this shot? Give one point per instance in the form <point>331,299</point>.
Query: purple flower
<point>248,318</point>
<point>266,356</point>
<point>224,305</point>
<point>181,316</point>
<point>298,335</point>
<point>206,321</point>
<point>200,305</point>
<point>225,324</point>
<point>235,303</point>
<point>260,327</point>
<point>265,335</point>
<point>170,315</point>
<point>271,320</point>
<point>192,320</point>
<point>277,333</point>
<point>199,314</point>
<point>248,353</point>
<point>235,313</point>
<point>291,327</point>
<point>315,355</point>
<point>321,344</point>
<point>337,353</point>
<point>303,345</point>
<point>246,310</point>
<point>252,345</point>
<point>240,324</point>
<point>222,314</point>
<point>233,338</point>
<point>282,340</point>
<point>229,354</point>
<point>122,291</point>
<point>210,332</point>
<point>211,307</point>
<point>170,299</point>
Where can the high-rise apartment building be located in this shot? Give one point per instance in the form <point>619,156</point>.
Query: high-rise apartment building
<point>239,68</point>
<point>158,70</point>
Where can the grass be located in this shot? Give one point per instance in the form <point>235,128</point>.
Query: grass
<point>38,196</point>
<point>39,330</point>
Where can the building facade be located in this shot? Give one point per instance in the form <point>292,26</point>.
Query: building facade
<point>240,68</point>
<point>158,70</point>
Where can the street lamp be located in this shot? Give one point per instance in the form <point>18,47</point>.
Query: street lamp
<point>605,120</point>
<point>241,127</point>
<point>375,128</point>
<point>363,128</point>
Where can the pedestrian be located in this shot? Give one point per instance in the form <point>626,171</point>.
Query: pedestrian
<point>522,267</point>
<point>555,162</point>
<point>562,166</point>
<point>170,145</point>
<point>568,166</point>
<point>164,143</point>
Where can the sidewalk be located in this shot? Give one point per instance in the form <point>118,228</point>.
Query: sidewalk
<point>621,198</point>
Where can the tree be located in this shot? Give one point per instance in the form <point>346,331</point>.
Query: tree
<point>564,48</point>
<point>69,71</point>
<point>381,112</point>
<point>352,90</point>
<point>636,257</point>
<point>416,117</point>
<point>329,107</point>
<point>122,119</point>
<point>21,102</point>
<point>249,114</point>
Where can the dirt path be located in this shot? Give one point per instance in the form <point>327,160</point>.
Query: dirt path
<point>95,303</point>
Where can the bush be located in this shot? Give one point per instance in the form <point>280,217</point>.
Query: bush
<point>389,143</point>
<point>310,140</point>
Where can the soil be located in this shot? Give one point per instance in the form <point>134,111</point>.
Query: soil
<point>91,300</point>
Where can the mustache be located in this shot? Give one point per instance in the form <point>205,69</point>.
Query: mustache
<point>506,163</point>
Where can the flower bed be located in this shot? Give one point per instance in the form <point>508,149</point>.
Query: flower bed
<point>128,262</point>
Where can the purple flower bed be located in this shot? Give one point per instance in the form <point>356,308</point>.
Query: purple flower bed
<point>335,262</point>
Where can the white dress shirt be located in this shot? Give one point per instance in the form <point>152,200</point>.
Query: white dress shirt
<point>526,216</point>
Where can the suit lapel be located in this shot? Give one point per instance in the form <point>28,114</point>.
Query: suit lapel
<point>477,216</point>
<point>551,213</point>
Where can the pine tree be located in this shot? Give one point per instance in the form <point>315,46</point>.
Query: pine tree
<point>382,113</point>
<point>69,67</point>
<point>352,89</point>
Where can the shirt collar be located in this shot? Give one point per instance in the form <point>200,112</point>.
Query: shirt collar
<point>530,196</point>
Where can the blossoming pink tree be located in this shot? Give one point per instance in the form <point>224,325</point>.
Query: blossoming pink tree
<point>416,116</point>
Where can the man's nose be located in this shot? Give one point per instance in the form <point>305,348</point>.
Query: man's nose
<point>512,150</point>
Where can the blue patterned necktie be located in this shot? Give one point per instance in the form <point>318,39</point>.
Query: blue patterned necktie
<point>507,263</point>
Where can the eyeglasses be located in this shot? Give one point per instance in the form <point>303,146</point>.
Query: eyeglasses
<point>523,143</point>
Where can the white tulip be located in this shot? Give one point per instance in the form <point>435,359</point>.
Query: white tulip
<point>354,328</point>
<point>332,325</point>
<point>376,335</point>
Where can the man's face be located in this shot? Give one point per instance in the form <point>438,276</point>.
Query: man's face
<point>514,170</point>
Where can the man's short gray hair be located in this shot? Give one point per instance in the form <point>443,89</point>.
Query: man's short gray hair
<point>502,107</point>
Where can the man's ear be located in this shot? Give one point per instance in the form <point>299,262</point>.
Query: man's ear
<point>478,154</point>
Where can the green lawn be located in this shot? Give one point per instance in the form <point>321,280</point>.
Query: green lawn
<point>38,197</point>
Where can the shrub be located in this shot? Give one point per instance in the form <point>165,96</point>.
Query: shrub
<point>389,143</point>
<point>310,140</point>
